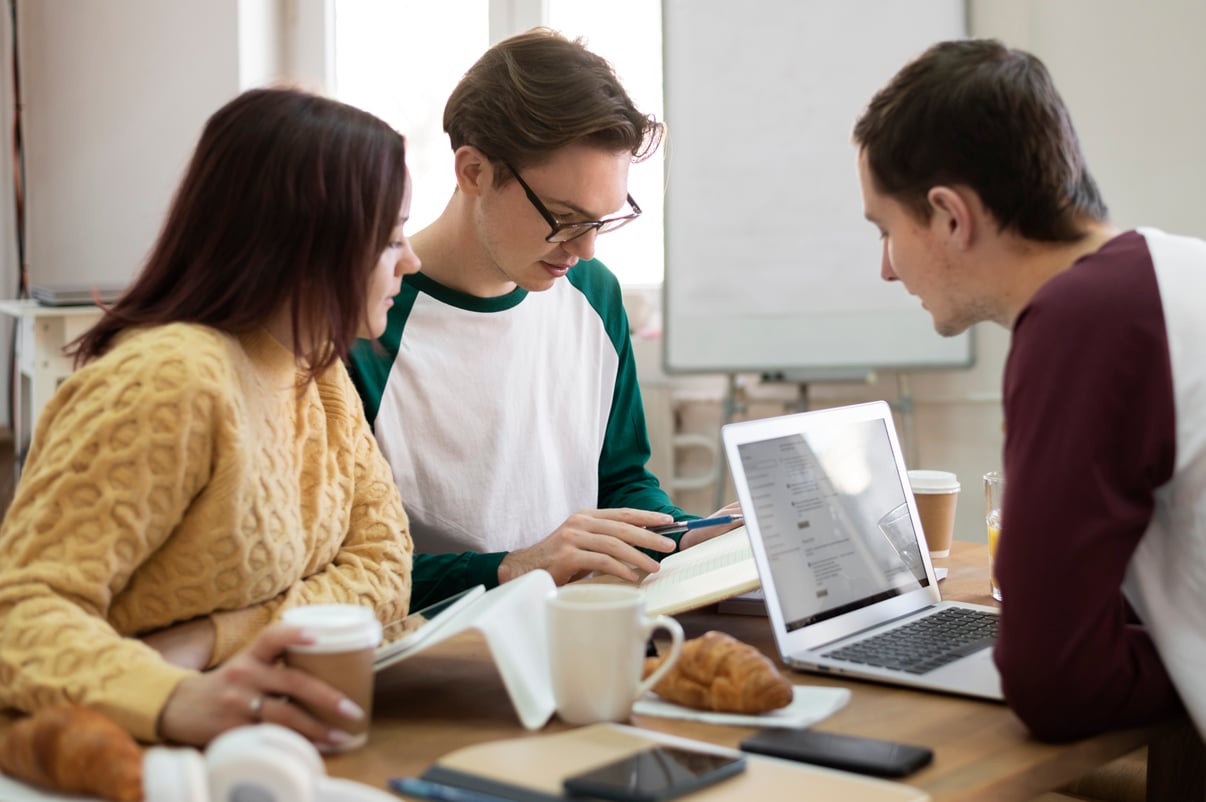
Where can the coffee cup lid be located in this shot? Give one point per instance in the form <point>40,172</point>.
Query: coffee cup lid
<point>336,627</point>
<point>933,482</point>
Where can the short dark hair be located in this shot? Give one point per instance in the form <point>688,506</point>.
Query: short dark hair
<point>977,113</point>
<point>289,198</point>
<point>537,92</point>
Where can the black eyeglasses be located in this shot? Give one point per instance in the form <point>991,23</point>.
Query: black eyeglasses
<point>564,232</point>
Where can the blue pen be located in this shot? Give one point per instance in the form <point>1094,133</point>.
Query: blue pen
<point>425,789</point>
<point>685,526</point>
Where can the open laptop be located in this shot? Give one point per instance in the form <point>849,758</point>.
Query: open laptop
<point>840,551</point>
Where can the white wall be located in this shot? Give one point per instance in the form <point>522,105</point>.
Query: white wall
<point>1134,78</point>
<point>115,94</point>
<point>8,220</point>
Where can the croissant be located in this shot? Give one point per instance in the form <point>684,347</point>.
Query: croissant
<point>74,750</point>
<point>718,672</point>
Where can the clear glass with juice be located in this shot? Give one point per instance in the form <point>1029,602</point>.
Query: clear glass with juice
<point>994,496</point>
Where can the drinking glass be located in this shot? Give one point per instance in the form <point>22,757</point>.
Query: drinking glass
<point>994,498</point>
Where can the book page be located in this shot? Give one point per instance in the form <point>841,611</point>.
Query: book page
<point>703,574</point>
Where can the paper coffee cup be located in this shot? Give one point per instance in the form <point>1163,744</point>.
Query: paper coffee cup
<point>345,639</point>
<point>936,493</point>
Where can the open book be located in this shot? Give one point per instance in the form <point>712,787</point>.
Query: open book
<point>703,574</point>
<point>532,769</point>
<point>512,619</point>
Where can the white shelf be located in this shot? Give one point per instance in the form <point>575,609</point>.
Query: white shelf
<point>42,332</point>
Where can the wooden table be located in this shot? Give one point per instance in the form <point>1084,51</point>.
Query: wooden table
<point>451,696</point>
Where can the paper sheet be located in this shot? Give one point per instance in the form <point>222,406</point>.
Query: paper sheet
<point>809,705</point>
<point>16,791</point>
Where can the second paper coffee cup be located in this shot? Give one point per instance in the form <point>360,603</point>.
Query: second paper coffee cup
<point>936,494</point>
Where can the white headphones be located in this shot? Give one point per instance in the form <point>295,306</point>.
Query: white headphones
<point>257,763</point>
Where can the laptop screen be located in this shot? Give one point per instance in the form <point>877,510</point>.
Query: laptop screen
<point>829,501</point>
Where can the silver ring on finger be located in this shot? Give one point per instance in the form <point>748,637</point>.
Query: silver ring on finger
<point>256,707</point>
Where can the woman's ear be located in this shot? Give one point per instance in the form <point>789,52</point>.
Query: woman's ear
<point>474,172</point>
<point>952,215</point>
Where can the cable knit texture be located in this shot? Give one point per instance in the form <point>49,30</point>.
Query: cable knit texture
<point>186,474</point>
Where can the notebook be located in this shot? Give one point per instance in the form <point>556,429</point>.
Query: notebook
<point>837,542</point>
<point>510,619</point>
<point>532,769</point>
<point>703,574</point>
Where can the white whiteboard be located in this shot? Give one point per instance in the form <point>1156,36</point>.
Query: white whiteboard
<point>770,265</point>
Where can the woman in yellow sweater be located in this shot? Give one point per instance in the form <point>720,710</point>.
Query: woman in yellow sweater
<point>209,464</point>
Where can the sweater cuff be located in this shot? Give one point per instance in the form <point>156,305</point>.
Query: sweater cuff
<point>136,700</point>
<point>235,629</point>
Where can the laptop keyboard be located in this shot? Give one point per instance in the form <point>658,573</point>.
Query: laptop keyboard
<point>926,644</point>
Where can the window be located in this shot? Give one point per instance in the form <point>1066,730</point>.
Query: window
<point>628,33</point>
<point>402,60</point>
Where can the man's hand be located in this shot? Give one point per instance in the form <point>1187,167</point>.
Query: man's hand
<point>602,541</point>
<point>695,536</point>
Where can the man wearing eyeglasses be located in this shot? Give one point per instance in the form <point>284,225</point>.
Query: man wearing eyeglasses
<point>504,391</point>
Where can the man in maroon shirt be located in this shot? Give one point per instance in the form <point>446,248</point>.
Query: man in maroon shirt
<point>971,170</point>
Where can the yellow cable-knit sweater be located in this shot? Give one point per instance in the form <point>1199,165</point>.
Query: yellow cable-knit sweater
<point>185,474</point>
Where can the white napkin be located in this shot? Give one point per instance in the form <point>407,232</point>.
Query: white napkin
<point>809,705</point>
<point>12,790</point>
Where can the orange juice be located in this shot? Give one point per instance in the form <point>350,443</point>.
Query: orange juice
<point>994,497</point>
<point>994,535</point>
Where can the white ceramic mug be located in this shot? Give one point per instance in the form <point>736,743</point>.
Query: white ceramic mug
<point>597,638</point>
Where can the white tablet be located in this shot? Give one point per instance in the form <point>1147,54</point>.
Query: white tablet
<point>406,634</point>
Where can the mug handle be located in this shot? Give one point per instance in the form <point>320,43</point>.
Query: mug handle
<point>676,649</point>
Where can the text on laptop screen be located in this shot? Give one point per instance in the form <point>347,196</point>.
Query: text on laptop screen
<point>831,509</point>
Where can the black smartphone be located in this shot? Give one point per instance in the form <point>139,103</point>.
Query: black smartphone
<point>657,773</point>
<point>848,752</point>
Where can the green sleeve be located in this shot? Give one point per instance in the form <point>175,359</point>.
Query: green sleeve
<point>438,576</point>
<point>624,481</point>
<point>370,361</point>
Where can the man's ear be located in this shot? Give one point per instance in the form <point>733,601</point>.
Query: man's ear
<point>474,172</point>
<point>952,214</point>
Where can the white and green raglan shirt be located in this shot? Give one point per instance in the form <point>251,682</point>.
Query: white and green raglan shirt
<point>501,417</point>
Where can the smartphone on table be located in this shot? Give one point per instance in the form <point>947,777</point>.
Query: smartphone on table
<point>660,772</point>
<point>847,752</point>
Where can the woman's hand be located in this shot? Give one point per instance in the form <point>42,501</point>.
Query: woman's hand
<point>255,686</point>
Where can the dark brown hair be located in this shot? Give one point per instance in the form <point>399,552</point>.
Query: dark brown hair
<point>289,199</point>
<point>537,92</point>
<point>976,113</point>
